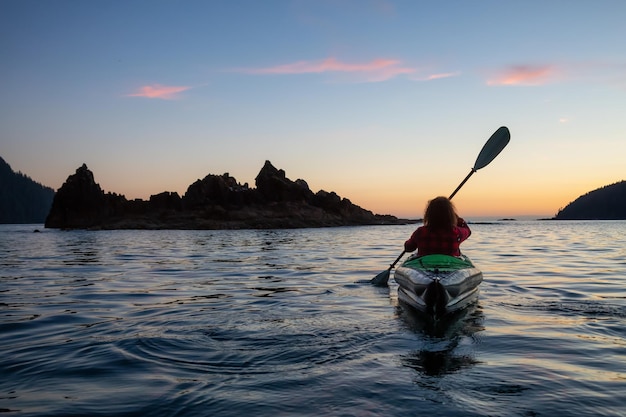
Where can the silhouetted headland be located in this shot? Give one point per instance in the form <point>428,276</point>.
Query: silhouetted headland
<point>215,202</point>
<point>605,203</point>
<point>22,200</point>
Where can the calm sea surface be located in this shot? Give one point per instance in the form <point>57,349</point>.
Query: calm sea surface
<point>285,323</point>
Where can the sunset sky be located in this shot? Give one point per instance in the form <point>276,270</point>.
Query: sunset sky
<point>385,102</point>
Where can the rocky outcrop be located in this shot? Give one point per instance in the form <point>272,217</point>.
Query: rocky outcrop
<point>81,203</point>
<point>221,190</point>
<point>215,202</point>
<point>272,185</point>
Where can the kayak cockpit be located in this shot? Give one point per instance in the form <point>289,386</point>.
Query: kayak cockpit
<point>438,284</point>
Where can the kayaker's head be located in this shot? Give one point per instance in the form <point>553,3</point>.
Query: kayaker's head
<point>440,214</point>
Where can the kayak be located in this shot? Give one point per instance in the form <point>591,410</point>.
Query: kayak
<point>438,285</point>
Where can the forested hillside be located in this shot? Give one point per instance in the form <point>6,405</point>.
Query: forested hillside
<point>606,203</point>
<point>22,200</point>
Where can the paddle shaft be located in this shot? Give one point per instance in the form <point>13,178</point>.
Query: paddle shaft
<point>462,184</point>
<point>396,261</point>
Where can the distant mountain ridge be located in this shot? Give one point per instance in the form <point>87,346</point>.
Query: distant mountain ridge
<point>605,203</point>
<point>215,202</point>
<point>22,200</point>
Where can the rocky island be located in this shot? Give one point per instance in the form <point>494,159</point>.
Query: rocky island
<point>215,202</point>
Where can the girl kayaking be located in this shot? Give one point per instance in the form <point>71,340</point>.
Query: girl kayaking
<point>442,232</point>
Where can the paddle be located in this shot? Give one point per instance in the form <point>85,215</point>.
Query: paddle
<point>488,153</point>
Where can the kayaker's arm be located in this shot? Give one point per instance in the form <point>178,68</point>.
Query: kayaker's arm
<point>464,230</point>
<point>411,244</point>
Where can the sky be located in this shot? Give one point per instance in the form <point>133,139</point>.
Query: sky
<point>385,102</point>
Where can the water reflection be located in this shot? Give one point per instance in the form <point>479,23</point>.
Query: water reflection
<point>83,249</point>
<point>447,343</point>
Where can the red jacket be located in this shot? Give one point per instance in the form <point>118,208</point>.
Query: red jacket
<point>445,242</point>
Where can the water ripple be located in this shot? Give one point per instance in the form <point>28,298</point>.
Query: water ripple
<point>284,322</point>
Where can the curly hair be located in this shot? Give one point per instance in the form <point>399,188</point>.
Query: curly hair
<point>440,214</point>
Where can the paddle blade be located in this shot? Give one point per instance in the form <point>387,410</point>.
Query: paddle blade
<point>493,147</point>
<point>381,279</point>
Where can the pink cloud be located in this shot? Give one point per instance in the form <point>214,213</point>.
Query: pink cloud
<point>159,91</point>
<point>525,75</point>
<point>438,76</point>
<point>375,70</point>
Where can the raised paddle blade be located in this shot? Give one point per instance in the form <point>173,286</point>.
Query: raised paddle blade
<point>492,148</point>
<point>381,279</point>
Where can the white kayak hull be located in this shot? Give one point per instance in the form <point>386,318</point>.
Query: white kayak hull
<point>438,289</point>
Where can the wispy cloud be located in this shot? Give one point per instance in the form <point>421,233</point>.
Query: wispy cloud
<point>158,91</point>
<point>609,73</point>
<point>438,76</point>
<point>373,71</point>
<point>525,75</point>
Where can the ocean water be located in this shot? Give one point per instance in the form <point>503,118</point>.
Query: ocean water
<point>285,323</point>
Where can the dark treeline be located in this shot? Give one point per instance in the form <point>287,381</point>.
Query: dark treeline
<point>606,203</point>
<point>22,200</point>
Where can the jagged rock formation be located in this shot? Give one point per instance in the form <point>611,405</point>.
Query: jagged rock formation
<point>22,200</point>
<point>215,202</point>
<point>606,203</point>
